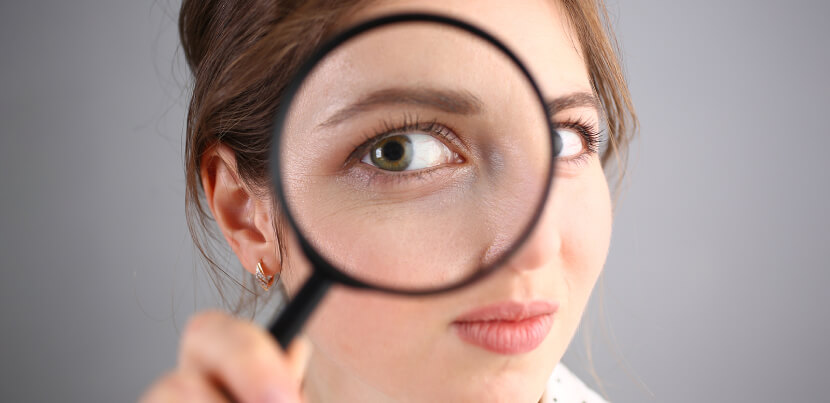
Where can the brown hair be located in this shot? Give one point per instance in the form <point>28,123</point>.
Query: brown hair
<point>242,54</point>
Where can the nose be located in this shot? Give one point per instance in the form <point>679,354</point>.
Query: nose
<point>540,248</point>
<point>537,251</point>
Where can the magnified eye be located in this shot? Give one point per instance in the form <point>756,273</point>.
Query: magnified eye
<point>572,144</point>
<point>407,152</point>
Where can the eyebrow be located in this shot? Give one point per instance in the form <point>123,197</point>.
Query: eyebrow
<point>447,100</point>
<point>579,99</point>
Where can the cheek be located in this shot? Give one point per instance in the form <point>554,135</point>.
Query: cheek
<point>369,335</point>
<point>375,319</point>
<point>361,332</point>
<point>347,315</point>
<point>584,208</point>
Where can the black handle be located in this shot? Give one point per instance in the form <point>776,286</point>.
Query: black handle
<point>291,320</point>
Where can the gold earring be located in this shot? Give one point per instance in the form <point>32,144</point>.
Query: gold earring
<point>264,281</point>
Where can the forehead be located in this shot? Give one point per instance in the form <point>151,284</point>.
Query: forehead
<point>536,30</point>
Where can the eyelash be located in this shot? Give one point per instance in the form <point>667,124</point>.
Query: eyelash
<point>409,123</point>
<point>590,135</point>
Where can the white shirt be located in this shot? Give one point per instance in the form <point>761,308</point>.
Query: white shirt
<point>564,387</point>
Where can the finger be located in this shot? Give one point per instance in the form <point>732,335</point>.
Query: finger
<point>240,356</point>
<point>299,352</point>
<point>183,387</point>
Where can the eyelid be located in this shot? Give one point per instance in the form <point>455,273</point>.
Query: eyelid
<point>592,137</point>
<point>410,124</point>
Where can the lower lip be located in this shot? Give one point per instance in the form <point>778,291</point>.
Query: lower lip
<point>506,337</point>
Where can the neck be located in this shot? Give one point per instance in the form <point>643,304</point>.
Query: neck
<point>326,381</point>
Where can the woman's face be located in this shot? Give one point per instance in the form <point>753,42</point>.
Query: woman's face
<point>379,347</point>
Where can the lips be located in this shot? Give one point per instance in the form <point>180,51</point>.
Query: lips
<point>507,327</point>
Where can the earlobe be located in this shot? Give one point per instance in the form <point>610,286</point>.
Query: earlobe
<point>244,219</point>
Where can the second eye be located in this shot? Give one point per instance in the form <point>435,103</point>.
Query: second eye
<point>409,152</point>
<point>572,143</point>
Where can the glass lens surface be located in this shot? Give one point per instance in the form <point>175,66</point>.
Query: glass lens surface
<point>414,155</point>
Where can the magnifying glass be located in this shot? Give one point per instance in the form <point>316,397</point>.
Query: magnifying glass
<point>411,155</point>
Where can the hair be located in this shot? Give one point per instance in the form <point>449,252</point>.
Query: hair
<point>242,53</point>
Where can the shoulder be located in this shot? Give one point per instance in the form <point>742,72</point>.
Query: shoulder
<point>564,387</point>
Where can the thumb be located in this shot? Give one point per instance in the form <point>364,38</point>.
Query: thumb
<point>299,352</point>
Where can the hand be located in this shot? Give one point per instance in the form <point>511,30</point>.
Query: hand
<point>224,359</point>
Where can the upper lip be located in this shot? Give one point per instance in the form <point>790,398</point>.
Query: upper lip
<point>509,311</point>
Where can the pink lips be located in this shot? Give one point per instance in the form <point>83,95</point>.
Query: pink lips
<point>509,327</point>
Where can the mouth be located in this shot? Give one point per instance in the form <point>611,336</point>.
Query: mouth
<point>507,327</point>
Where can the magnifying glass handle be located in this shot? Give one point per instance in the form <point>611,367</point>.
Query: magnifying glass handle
<point>291,320</point>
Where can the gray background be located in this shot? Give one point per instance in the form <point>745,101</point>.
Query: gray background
<point>714,288</point>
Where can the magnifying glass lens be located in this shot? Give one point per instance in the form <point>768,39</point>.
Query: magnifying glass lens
<point>414,155</point>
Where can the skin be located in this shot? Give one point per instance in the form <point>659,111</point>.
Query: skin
<point>374,347</point>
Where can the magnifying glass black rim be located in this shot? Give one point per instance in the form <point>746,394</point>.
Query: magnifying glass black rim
<point>320,264</point>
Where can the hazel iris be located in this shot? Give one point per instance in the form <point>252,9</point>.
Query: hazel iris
<point>393,153</point>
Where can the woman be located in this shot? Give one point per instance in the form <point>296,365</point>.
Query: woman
<point>370,347</point>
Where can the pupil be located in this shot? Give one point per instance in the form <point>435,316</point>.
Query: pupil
<point>392,151</point>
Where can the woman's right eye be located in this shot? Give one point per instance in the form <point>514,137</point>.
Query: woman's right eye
<point>572,143</point>
<point>409,152</point>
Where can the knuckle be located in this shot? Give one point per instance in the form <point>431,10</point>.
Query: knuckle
<point>251,349</point>
<point>198,325</point>
<point>174,382</point>
<point>245,335</point>
<point>212,337</point>
<point>255,360</point>
<point>204,319</point>
<point>193,339</point>
<point>166,389</point>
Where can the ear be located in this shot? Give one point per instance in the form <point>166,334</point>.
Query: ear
<point>244,219</point>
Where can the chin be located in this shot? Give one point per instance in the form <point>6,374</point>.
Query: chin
<point>483,376</point>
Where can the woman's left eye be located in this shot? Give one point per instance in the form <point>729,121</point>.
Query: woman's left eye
<point>408,152</point>
<point>572,142</point>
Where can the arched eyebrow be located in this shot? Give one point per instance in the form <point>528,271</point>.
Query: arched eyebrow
<point>446,100</point>
<point>579,99</point>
